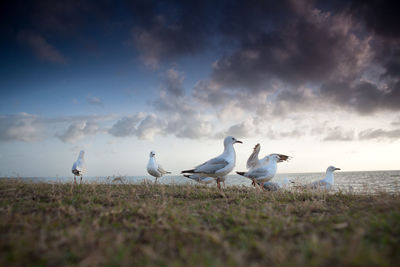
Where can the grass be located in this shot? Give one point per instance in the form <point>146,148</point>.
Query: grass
<point>167,225</point>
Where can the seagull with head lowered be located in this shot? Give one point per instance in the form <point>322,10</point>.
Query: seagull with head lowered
<point>200,179</point>
<point>153,168</point>
<point>275,186</point>
<point>220,166</point>
<point>264,173</point>
<point>326,183</point>
<point>79,166</point>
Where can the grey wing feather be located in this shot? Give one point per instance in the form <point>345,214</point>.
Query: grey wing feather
<point>256,173</point>
<point>161,169</point>
<point>253,160</point>
<point>212,165</point>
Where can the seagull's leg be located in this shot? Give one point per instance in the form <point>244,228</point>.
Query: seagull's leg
<point>155,182</point>
<point>224,184</point>
<point>253,183</point>
<point>74,179</point>
<point>219,183</point>
<point>81,180</point>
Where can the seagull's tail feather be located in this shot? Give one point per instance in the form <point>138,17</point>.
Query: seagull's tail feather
<point>187,175</point>
<point>241,173</point>
<point>168,172</point>
<point>188,171</point>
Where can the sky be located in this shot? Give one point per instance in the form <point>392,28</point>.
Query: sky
<point>316,80</point>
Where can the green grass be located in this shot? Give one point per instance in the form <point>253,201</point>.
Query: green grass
<point>139,225</point>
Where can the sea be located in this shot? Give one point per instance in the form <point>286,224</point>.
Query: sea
<point>359,181</point>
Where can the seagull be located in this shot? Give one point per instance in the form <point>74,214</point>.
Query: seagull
<point>200,179</point>
<point>275,186</point>
<point>220,166</point>
<point>263,173</point>
<point>327,182</point>
<point>254,162</point>
<point>79,166</point>
<point>155,169</point>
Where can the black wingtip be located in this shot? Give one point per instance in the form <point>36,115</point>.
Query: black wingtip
<point>241,173</point>
<point>188,171</point>
<point>186,175</point>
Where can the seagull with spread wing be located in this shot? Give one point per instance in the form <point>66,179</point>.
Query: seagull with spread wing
<point>79,166</point>
<point>264,168</point>
<point>155,169</point>
<point>220,166</point>
<point>264,173</point>
<point>254,162</point>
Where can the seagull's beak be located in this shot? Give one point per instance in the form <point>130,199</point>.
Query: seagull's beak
<point>337,169</point>
<point>237,141</point>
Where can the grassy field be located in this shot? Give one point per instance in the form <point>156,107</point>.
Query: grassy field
<point>127,225</point>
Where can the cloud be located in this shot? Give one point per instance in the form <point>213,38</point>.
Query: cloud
<point>22,127</point>
<point>144,126</point>
<point>174,83</point>
<point>160,34</point>
<point>379,134</point>
<point>338,134</point>
<point>78,131</point>
<point>42,49</point>
<point>94,100</point>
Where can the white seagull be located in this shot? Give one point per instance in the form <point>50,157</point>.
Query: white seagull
<point>153,168</point>
<point>275,186</point>
<point>79,166</point>
<point>263,173</point>
<point>200,179</point>
<point>220,166</point>
<point>327,182</point>
<point>254,162</point>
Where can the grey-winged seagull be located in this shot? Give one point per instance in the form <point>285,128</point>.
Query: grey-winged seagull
<point>155,169</point>
<point>263,173</point>
<point>79,166</point>
<point>220,166</point>
<point>326,183</point>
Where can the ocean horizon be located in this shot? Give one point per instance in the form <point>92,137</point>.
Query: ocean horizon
<point>358,181</point>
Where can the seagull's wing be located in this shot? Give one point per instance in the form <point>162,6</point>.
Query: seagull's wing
<point>212,166</point>
<point>161,170</point>
<point>257,173</point>
<point>253,160</point>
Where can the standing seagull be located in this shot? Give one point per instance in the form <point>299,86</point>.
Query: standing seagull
<point>153,168</point>
<point>264,173</point>
<point>79,166</point>
<point>219,166</point>
<point>327,182</point>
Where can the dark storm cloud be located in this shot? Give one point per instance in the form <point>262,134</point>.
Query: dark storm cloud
<point>329,46</point>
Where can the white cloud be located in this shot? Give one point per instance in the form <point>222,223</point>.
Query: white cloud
<point>22,127</point>
<point>78,131</point>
